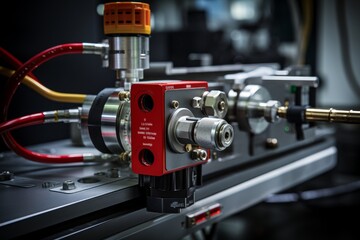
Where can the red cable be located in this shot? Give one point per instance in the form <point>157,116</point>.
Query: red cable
<point>29,120</point>
<point>37,118</point>
<point>31,64</point>
<point>15,81</point>
<point>41,157</point>
<point>33,119</point>
<point>13,61</point>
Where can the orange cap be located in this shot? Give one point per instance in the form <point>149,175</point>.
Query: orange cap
<point>127,18</point>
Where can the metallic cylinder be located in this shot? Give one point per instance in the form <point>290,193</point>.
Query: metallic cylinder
<point>79,131</point>
<point>184,130</point>
<point>124,126</point>
<point>281,111</point>
<point>106,122</point>
<point>178,132</point>
<point>213,133</point>
<point>250,109</point>
<point>109,122</point>
<point>232,100</point>
<point>332,115</point>
<point>129,55</point>
<point>210,133</point>
<point>115,124</point>
<point>129,52</point>
<point>67,116</point>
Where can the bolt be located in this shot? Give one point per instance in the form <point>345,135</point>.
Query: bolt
<point>213,105</point>
<point>124,95</point>
<point>113,173</point>
<point>125,156</point>
<point>68,185</point>
<point>175,104</point>
<point>222,105</point>
<point>6,175</point>
<point>199,154</point>
<point>271,143</point>
<point>125,159</point>
<point>197,102</point>
<point>214,155</point>
<point>188,147</point>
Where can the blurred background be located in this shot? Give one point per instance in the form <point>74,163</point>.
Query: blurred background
<point>323,35</point>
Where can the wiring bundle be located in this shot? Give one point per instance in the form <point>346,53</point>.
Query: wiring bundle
<point>23,74</point>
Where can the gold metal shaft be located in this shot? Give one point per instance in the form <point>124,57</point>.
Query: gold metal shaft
<point>332,115</point>
<point>325,115</point>
<point>281,112</point>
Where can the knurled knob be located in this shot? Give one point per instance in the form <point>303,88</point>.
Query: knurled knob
<point>127,18</point>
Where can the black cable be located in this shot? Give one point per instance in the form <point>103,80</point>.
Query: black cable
<point>344,43</point>
<point>315,194</point>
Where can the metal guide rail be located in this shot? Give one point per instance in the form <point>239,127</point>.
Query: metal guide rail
<point>114,204</point>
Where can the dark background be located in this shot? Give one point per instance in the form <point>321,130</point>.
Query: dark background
<point>28,27</point>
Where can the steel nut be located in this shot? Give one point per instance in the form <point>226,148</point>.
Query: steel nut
<point>215,104</point>
<point>270,113</point>
<point>197,102</point>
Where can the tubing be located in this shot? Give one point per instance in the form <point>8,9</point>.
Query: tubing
<point>14,82</point>
<point>29,120</point>
<point>34,62</point>
<point>41,157</point>
<point>44,91</point>
<point>16,79</point>
<point>12,60</point>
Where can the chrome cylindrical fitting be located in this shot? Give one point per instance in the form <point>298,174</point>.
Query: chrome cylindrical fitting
<point>210,133</point>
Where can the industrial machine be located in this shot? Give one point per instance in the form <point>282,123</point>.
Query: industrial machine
<point>152,145</point>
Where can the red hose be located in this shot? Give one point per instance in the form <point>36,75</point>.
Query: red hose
<point>40,157</point>
<point>15,81</point>
<point>37,118</point>
<point>34,62</point>
<point>13,61</point>
<point>33,119</point>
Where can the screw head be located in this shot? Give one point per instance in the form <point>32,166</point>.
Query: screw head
<point>271,143</point>
<point>175,104</point>
<point>188,147</point>
<point>6,175</point>
<point>197,102</point>
<point>124,95</point>
<point>68,185</point>
<point>199,154</point>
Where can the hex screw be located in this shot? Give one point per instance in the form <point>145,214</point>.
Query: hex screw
<point>6,175</point>
<point>68,185</point>
<point>196,102</point>
<point>199,154</point>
